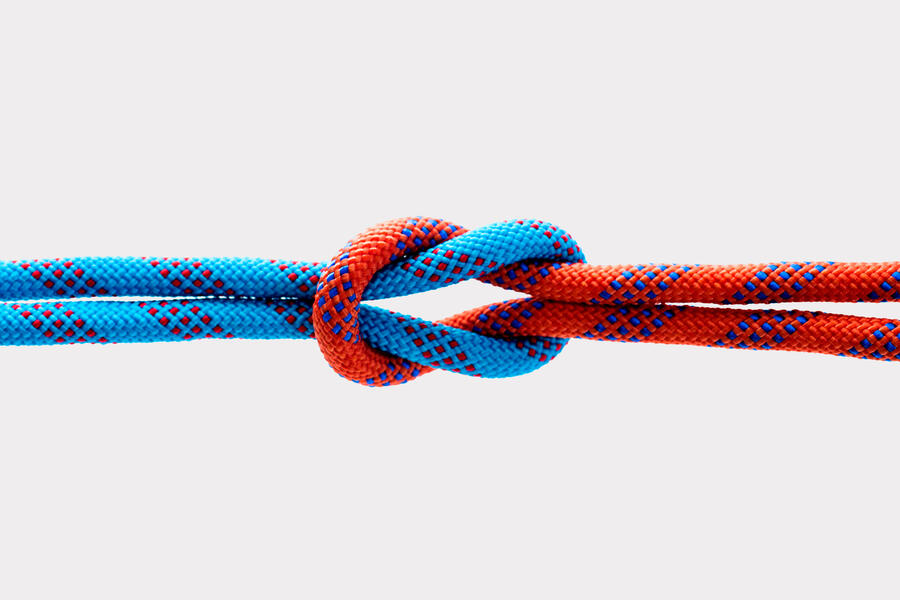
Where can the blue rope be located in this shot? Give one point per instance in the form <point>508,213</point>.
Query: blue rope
<point>198,298</point>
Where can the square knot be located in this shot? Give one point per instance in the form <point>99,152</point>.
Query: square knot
<point>412,255</point>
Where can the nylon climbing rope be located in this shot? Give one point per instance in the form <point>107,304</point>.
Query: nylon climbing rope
<point>62,301</point>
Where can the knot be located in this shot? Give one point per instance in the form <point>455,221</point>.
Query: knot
<point>407,256</point>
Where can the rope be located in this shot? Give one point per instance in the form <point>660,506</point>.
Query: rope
<point>44,302</point>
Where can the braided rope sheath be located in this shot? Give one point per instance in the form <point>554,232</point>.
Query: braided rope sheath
<point>44,301</point>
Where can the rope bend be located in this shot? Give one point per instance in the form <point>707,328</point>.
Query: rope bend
<point>442,255</point>
<point>185,299</point>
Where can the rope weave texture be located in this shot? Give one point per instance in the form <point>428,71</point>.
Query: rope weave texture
<point>44,301</point>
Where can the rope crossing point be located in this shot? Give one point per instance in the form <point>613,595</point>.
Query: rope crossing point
<point>43,302</point>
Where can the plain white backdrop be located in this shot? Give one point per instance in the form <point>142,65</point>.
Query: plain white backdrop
<point>653,131</point>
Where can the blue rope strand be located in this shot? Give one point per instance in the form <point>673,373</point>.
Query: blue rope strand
<point>486,249</point>
<point>106,321</point>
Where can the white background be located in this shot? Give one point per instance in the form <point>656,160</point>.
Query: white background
<point>653,131</point>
